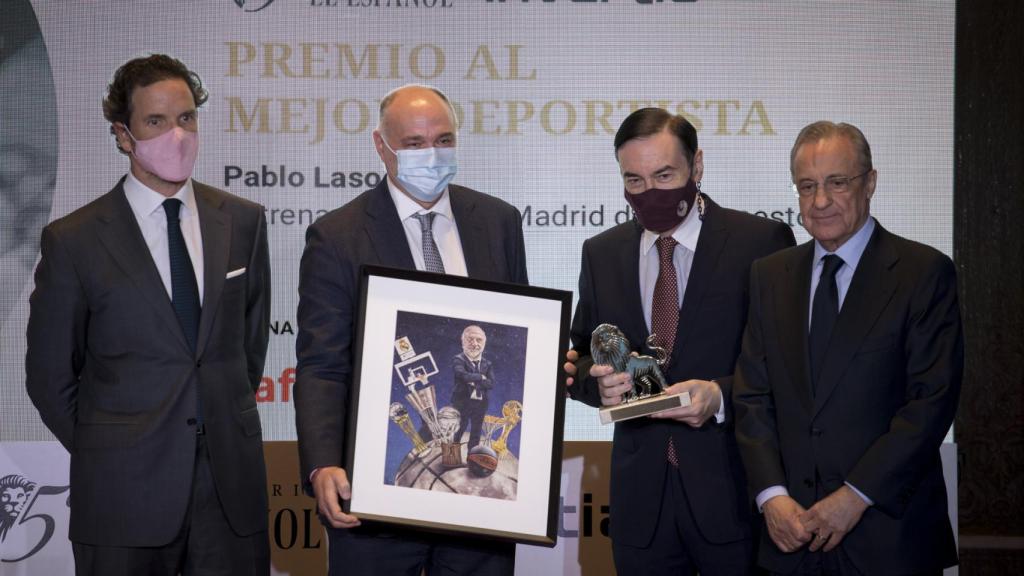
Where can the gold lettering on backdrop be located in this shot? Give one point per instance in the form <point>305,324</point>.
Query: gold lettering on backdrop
<point>519,111</point>
<point>239,53</point>
<point>480,114</point>
<point>483,59</point>
<point>315,119</point>
<point>757,107</point>
<point>369,58</point>
<point>288,113</point>
<point>341,117</point>
<point>312,54</point>
<point>414,61</point>
<point>681,109</point>
<point>568,112</point>
<point>260,115</point>
<point>276,56</point>
<point>592,117</point>
<point>723,114</point>
<point>319,117</point>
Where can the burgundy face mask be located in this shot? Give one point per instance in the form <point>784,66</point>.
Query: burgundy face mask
<point>660,209</point>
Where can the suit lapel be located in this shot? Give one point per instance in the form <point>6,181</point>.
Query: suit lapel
<point>625,271</point>
<point>791,303</point>
<point>871,289</point>
<point>387,236</point>
<point>215,227</point>
<point>476,245</point>
<point>122,237</point>
<point>713,236</point>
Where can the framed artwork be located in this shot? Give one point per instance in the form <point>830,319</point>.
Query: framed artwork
<point>459,405</point>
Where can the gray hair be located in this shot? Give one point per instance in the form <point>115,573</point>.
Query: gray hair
<point>823,129</point>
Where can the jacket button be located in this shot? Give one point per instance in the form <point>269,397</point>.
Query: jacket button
<point>817,432</point>
<point>191,421</point>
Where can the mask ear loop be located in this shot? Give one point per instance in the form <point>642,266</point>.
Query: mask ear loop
<point>701,207</point>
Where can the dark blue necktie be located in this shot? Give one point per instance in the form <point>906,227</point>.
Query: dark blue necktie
<point>184,289</point>
<point>824,313</point>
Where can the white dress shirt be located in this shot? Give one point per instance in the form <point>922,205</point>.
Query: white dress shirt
<point>850,252</point>
<point>446,232</point>
<point>147,205</point>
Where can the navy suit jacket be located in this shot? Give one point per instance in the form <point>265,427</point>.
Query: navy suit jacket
<point>465,374</point>
<point>114,379</point>
<point>707,342</point>
<point>367,230</point>
<point>887,394</point>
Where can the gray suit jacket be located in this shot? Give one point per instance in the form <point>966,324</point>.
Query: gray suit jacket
<point>367,230</point>
<point>114,379</point>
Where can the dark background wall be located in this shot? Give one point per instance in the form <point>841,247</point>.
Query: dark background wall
<point>989,251</point>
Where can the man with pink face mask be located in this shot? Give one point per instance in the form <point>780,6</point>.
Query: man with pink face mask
<point>146,341</point>
<point>679,271</point>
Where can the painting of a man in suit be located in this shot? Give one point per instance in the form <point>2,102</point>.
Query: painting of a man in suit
<point>849,379</point>
<point>147,336</point>
<point>473,381</point>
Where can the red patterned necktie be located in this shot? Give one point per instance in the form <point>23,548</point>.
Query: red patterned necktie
<point>665,304</point>
<point>665,312</point>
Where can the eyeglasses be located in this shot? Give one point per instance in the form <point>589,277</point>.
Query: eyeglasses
<point>833,185</point>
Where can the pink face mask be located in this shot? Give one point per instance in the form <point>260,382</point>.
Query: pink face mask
<point>171,155</point>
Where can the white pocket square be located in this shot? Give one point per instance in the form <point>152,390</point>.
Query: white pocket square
<point>234,273</point>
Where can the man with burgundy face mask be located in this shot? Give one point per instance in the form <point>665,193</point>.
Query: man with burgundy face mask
<point>146,341</point>
<point>680,271</point>
<point>416,219</point>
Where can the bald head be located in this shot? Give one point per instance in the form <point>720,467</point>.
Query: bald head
<point>413,96</point>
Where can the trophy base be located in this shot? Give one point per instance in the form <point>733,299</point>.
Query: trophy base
<point>644,407</point>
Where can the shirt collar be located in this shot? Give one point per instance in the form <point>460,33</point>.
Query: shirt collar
<point>686,234</point>
<point>145,201</point>
<point>852,249</point>
<point>407,206</point>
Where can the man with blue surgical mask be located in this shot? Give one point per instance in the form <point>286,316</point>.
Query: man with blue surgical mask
<point>415,219</point>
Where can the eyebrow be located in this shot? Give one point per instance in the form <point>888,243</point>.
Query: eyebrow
<point>663,169</point>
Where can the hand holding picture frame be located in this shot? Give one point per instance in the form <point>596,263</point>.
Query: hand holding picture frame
<point>457,405</point>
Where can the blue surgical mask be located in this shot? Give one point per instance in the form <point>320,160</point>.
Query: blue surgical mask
<point>425,172</point>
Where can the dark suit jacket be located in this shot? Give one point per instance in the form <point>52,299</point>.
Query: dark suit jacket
<point>711,323</point>
<point>465,374</point>
<point>367,231</point>
<point>114,379</point>
<point>887,394</point>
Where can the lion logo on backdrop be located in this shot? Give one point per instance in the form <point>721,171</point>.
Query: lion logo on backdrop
<point>14,493</point>
<point>23,532</point>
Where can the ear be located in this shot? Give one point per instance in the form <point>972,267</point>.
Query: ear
<point>698,165</point>
<point>121,137</point>
<point>378,144</point>
<point>869,182</point>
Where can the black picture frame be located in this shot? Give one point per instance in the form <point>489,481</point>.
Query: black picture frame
<point>407,462</point>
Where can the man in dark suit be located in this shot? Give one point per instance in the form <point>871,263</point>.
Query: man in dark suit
<point>848,380</point>
<point>680,272</point>
<point>413,220</point>
<point>473,381</point>
<point>146,340</point>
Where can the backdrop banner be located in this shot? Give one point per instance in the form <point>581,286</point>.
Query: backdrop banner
<point>539,88</point>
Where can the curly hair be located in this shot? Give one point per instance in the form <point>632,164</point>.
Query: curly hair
<point>142,72</point>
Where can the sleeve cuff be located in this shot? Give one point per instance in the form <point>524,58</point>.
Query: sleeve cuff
<point>769,493</point>
<point>720,413</point>
<point>862,495</point>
